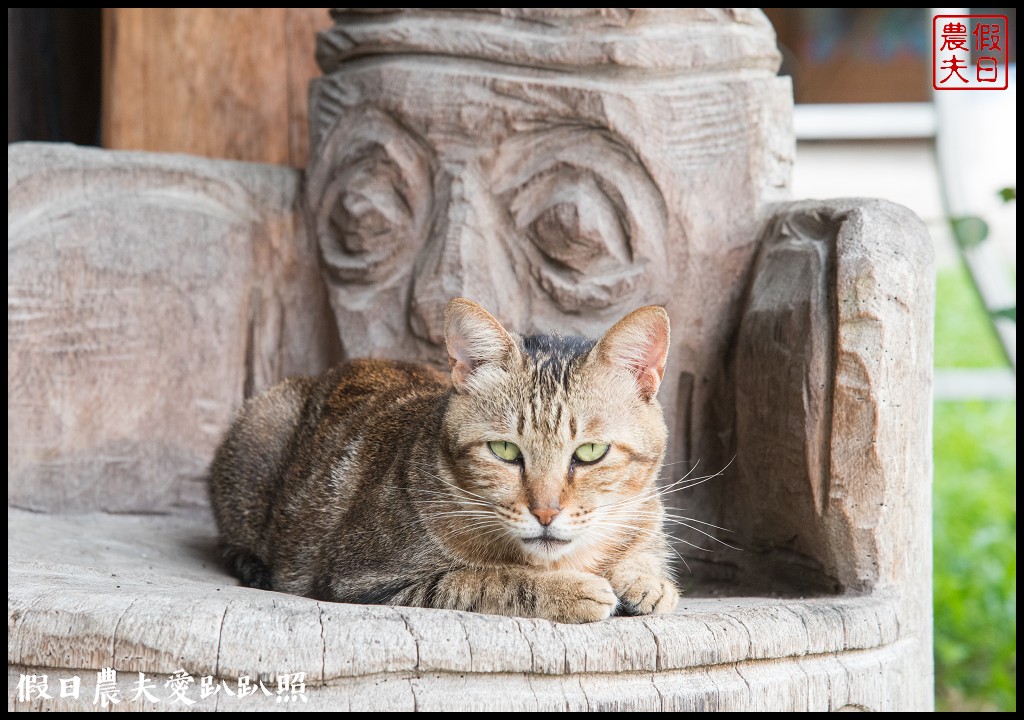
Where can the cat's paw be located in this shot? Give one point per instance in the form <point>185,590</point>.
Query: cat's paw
<point>568,596</point>
<point>647,595</point>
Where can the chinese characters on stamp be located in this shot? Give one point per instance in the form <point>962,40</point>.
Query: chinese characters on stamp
<point>969,52</point>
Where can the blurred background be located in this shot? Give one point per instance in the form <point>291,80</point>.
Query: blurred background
<point>868,123</point>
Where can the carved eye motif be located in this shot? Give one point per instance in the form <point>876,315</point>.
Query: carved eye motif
<point>593,216</point>
<point>574,219</point>
<point>375,201</point>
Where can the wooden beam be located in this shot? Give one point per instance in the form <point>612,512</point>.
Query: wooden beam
<point>219,82</point>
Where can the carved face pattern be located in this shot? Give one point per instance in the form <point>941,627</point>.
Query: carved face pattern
<point>517,195</point>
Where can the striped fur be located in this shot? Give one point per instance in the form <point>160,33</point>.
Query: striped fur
<point>375,483</point>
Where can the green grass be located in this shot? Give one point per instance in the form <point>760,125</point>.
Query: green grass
<point>976,555</point>
<point>975,519</point>
<point>963,336</point>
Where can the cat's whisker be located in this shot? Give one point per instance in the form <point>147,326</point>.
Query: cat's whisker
<point>461,489</point>
<point>707,534</point>
<point>439,493</point>
<point>499,528</point>
<point>455,487</point>
<point>671,517</point>
<point>659,492</point>
<point>693,483</point>
<point>688,472</point>
<point>437,511</point>
<point>687,482</point>
<point>695,464</point>
<point>473,535</point>
<point>658,532</point>
<point>624,545</point>
<point>479,523</point>
<point>457,507</point>
<point>679,520</point>
<point>467,518</point>
<point>680,462</point>
<point>705,478</point>
<point>452,497</point>
<point>445,501</point>
<point>484,512</point>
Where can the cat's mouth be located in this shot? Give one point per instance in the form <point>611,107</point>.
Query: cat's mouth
<point>546,540</point>
<point>546,547</point>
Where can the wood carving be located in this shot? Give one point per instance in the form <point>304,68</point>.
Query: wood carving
<point>560,167</point>
<point>146,295</point>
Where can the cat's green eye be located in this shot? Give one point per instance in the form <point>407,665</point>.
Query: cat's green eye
<point>590,452</point>
<point>509,452</point>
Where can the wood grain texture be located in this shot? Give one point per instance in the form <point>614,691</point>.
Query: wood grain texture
<point>146,295</point>
<point>817,288</point>
<point>836,339</point>
<point>165,607</point>
<point>109,591</point>
<point>611,39</point>
<point>864,681</point>
<point>218,82</point>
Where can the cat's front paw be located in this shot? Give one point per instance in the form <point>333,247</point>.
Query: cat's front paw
<point>646,595</point>
<point>568,596</point>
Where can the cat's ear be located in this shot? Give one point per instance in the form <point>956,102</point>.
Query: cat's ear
<point>474,339</point>
<point>638,343</point>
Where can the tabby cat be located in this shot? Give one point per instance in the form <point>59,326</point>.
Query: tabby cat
<point>523,484</point>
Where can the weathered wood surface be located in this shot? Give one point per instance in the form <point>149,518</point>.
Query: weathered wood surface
<point>139,594</point>
<point>221,82</point>
<point>833,376</point>
<point>832,393</point>
<point>146,294</point>
<point>861,681</point>
<point>611,39</point>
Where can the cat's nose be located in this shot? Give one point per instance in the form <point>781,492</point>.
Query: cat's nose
<point>545,515</point>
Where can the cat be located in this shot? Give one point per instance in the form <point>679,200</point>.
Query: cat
<point>521,484</point>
